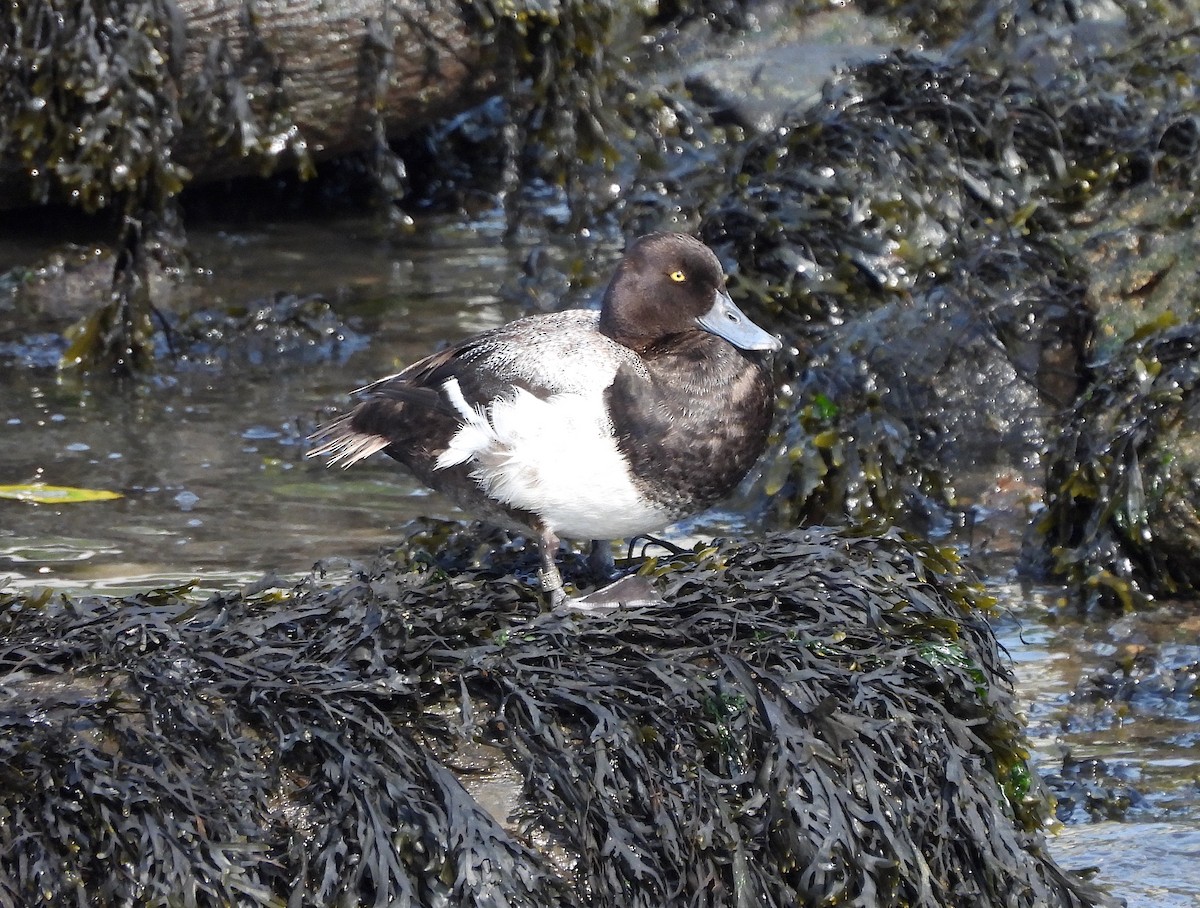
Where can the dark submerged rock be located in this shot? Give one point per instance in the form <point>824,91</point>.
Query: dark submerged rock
<point>36,329</point>
<point>1090,790</point>
<point>813,718</point>
<point>1141,688</point>
<point>263,333</point>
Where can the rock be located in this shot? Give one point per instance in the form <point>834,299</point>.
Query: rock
<point>781,65</point>
<point>906,413</point>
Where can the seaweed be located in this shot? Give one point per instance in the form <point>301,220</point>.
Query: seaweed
<point>577,121</point>
<point>813,718</point>
<point>267,764</point>
<point>909,161</point>
<point>992,24</point>
<point>924,204</point>
<point>1120,520</point>
<point>892,412</point>
<point>94,118</point>
<point>89,86</point>
<point>931,158</point>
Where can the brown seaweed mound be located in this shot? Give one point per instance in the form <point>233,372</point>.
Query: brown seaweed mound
<point>812,719</point>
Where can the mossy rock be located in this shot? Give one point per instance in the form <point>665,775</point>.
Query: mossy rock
<point>1140,253</point>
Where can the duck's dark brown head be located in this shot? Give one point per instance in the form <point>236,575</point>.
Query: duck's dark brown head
<point>669,284</point>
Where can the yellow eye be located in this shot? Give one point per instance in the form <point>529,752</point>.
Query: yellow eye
<point>678,277</point>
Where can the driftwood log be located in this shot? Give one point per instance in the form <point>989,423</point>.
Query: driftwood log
<point>337,64</point>
<point>119,104</point>
<point>97,96</point>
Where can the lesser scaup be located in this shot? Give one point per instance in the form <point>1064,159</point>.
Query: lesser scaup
<point>584,424</point>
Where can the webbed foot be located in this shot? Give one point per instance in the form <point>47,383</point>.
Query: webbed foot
<point>628,592</point>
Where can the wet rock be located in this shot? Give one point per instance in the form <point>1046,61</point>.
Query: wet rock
<point>1150,681</point>
<point>47,305</point>
<point>1123,479</point>
<point>997,31</point>
<point>948,248</point>
<point>67,284</point>
<point>1091,791</point>
<point>74,280</point>
<point>1140,252</point>
<point>285,328</point>
<point>1139,705</point>
<point>780,65</point>
<point>847,731</point>
<point>70,282</point>
<point>906,413</point>
<point>854,200</point>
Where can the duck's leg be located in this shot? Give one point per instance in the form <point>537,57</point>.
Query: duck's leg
<point>600,561</point>
<point>551,579</point>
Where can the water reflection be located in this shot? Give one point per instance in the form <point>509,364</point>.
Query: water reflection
<point>1144,742</point>
<point>1151,864</point>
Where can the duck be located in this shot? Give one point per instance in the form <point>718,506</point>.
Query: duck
<point>584,424</point>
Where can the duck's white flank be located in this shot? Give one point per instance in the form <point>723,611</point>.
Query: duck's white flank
<point>555,457</point>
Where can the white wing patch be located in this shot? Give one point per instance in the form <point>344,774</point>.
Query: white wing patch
<point>473,437</point>
<point>555,457</point>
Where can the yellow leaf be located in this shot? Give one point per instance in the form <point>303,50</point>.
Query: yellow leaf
<point>40,493</point>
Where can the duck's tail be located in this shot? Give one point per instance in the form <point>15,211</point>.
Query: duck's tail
<point>343,444</point>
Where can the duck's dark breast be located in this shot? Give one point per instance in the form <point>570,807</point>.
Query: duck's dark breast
<point>695,426</point>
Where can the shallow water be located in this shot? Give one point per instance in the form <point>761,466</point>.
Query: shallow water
<point>217,492</point>
<point>1150,742</point>
<point>1148,864</point>
<point>210,461</point>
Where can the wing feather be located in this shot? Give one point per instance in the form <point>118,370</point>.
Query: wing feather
<point>413,416</point>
